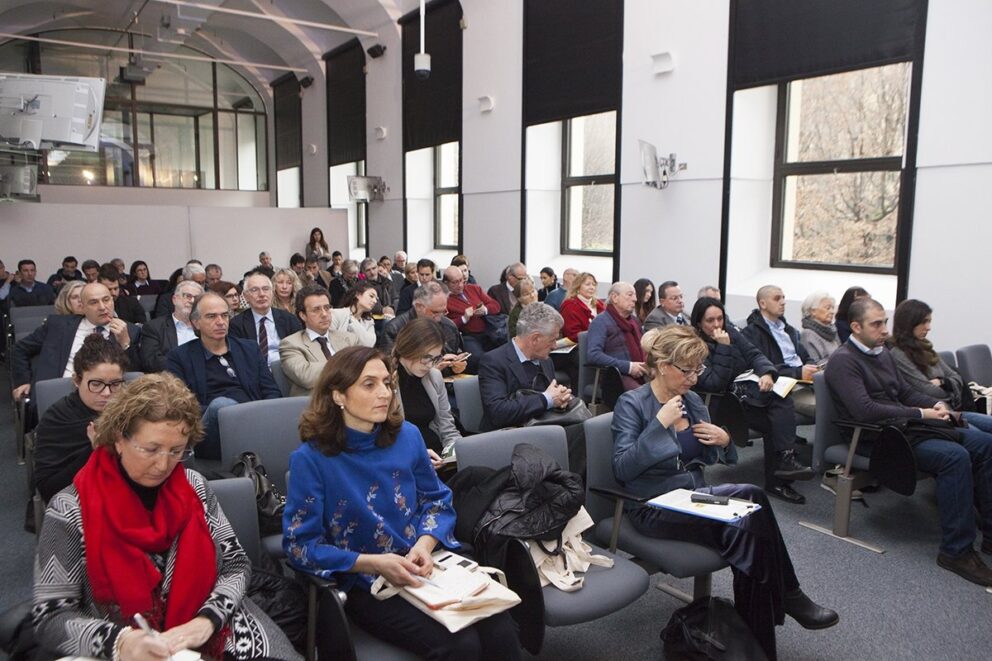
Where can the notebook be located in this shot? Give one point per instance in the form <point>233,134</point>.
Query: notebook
<point>678,500</point>
<point>449,586</point>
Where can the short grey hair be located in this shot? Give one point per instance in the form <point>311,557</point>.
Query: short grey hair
<point>539,318</point>
<point>368,261</point>
<point>348,264</point>
<point>426,292</point>
<point>193,269</point>
<point>705,291</point>
<point>399,254</point>
<point>194,314</point>
<point>813,301</point>
<point>619,288</point>
<point>193,287</point>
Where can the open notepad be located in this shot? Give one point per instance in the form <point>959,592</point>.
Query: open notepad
<point>783,384</point>
<point>679,500</point>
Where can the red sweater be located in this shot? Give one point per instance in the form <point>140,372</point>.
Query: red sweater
<point>457,306</point>
<point>577,316</point>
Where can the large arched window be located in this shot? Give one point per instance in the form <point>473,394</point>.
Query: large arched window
<point>170,123</point>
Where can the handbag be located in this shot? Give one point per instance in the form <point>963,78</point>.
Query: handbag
<point>268,500</point>
<point>575,412</point>
<point>496,331</point>
<point>710,628</point>
<point>494,597</point>
<point>558,566</point>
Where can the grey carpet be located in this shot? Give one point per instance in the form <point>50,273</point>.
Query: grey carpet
<point>898,605</point>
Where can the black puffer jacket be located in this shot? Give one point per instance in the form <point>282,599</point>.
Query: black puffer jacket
<point>760,335</point>
<point>727,362</point>
<point>537,502</point>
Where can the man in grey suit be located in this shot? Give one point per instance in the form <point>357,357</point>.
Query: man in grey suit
<point>302,355</point>
<point>671,303</point>
<point>163,334</point>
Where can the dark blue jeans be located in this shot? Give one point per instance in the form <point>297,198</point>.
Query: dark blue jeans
<point>964,481</point>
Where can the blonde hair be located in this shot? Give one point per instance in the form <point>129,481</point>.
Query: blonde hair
<point>290,305</point>
<point>151,398</point>
<point>62,301</point>
<point>577,283</point>
<point>674,344</point>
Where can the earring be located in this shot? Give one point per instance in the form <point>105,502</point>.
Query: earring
<point>342,406</point>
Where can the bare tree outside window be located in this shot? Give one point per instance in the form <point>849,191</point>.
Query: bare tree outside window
<point>588,183</point>
<point>838,185</point>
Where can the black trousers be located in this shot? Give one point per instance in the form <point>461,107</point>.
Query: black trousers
<point>752,546</point>
<point>777,423</point>
<point>397,622</point>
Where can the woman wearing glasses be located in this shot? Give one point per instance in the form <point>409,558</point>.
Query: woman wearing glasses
<point>663,439</point>
<point>417,359</point>
<point>62,445</point>
<point>131,535</point>
<point>731,355</point>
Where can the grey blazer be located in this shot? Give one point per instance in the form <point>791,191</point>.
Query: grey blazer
<point>443,423</point>
<point>920,382</point>
<point>657,318</point>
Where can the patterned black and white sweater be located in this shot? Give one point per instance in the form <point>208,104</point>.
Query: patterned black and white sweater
<point>68,620</point>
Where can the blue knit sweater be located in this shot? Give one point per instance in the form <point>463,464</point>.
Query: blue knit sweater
<point>364,500</point>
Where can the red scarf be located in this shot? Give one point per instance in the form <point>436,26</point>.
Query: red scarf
<point>120,533</point>
<point>631,334</point>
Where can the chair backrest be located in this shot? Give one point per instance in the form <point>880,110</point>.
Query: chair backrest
<point>237,499</point>
<point>49,391</point>
<point>826,433</point>
<point>280,378</point>
<point>975,363</point>
<point>949,358</point>
<point>268,427</point>
<point>494,449</point>
<point>599,465</point>
<point>148,302</point>
<point>468,397</point>
<point>587,373</point>
<point>25,320</point>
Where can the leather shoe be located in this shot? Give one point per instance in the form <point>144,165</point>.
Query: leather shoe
<point>808,614</point>
<point>968,566</point>
<point>789,468</point>
<point>786,493</point>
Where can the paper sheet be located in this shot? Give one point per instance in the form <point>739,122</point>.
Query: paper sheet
<point>679,500</point>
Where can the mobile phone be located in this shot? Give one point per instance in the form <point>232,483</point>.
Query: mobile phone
<point>462,356</point>
<point>708,498</point>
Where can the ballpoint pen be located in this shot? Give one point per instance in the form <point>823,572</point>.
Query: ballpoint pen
<point>140,620</point>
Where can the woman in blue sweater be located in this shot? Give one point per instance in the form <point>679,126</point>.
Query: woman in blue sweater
<point>663,439</point>
<point>365,501</point>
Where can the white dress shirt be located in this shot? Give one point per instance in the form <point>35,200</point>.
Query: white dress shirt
<point>184,332</point>
<point>86,328</point>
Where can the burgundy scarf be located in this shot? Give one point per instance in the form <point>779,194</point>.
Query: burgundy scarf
<point>631,334</point>
<point>120,533</point>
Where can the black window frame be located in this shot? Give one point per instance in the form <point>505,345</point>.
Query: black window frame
<point>783,169</point>
<point>361,214</point>
<point>449,190</point>
<point>569,181</point>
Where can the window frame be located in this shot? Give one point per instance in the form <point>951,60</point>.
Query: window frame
<point>570,181</point>
<point>782,169</point>
<point>449,190</point>
<point>361,214</point>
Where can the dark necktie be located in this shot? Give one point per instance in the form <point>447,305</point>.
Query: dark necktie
<point>101,331</point>
<point>680,320</point>
<point>263,339</point>
<point>322,341</point>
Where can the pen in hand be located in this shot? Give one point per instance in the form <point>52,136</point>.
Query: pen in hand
<point>140,620</point>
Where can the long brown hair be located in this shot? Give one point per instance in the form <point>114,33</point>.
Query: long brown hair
<point>322,422</point>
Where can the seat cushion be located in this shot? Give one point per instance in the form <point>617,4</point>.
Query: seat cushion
<point>679,559</point>
<point>369,647</point>
<point>837,454</point>
<point>604,591</point>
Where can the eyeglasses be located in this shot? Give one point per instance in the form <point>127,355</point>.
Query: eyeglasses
<point>686,373</point>
<point>260,290</point>
<point>96,386</point>
<point>227,366</point>
<point>178,454</point>
<point>430,361</point>
<point>188,296</point>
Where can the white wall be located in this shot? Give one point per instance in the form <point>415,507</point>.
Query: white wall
<point>165,236</point>
<point>951,229</point>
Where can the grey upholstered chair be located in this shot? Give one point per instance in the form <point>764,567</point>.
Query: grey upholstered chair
<point>468,397</point>
<point>605,590</point>
<point>280,377</point>
<point>604,501</point>
<point>975,363</point>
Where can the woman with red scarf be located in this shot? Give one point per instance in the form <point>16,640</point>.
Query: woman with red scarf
<point>137,533</point>
<point>614,338</point>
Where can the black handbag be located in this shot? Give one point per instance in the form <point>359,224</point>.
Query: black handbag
<point>709,628</point>
<point>269,501</point>
<point>497,331</point>
<point>575,412</point>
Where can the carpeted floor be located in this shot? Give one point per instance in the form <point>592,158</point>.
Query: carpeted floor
<point>898,605</point>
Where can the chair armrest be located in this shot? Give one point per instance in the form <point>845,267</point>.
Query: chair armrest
<point>853,425</point>
<point>619,494</point>
<point>334,629</point>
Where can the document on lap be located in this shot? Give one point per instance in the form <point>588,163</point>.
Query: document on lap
<point>680,500</point>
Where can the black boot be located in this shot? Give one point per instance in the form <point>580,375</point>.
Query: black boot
<point>789,468</point>
<point>808,614</point>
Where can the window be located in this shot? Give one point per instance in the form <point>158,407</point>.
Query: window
<point>588,183</point>
<point>838,170</point>
<point>161,133</point>
<point>447,196</point>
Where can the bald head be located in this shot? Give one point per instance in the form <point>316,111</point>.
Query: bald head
<point>771,302</point>
<point>98,303</point>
